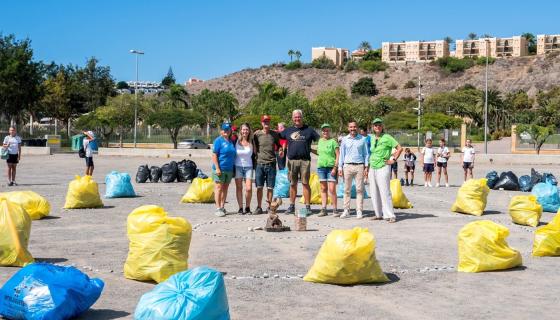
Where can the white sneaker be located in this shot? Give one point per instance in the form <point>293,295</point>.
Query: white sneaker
<point>447,185</point>
<point>359,214</point>
<point>425,184</point>
<point>430,184</point>
<point>220,212</point>
<point>437,185</point>
<point>345,214</point>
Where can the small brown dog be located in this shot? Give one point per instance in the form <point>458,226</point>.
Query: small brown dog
<point>273,223</point>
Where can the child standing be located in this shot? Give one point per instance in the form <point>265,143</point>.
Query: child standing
<point>468,159</point>
<point>441,162</point>
<point>87,142</point>
<point>409,165</point>
<point>428,153</point>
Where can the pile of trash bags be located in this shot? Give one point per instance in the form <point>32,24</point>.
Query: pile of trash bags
<point>15,230</point>
<point>483,247</point>
<point>200,191</point>
<point>547,195</point>
<point>182,171</point>
<point>347,257</point>
<point>159,244</point>
<point>340,190</point>
<point>34,204</point>
<point>525,210</point>
<point>83,192</point>
<point>509,181</point>
<point>118,185</point>
<point>315,186</point>
<point>199,293</point>
<point>472,197</point>
<point>47,291</point>
<point>282,186</point>
<point>400,201</point>
<point>547,239</point>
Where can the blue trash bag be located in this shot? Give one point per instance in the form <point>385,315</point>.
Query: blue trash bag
<point>196,294</point>
<point>340,191</point>
<point>45,291</point>
<point>547,196</point>
<point>525,183</point>
<point>550,178</point>
<point>201,174</point>
<point>93,145</point>
<point>118,185</point>
<point>491,179</point>
<point>282,186</point>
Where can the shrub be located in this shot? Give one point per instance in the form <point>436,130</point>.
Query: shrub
<point>410,84</point>
<point>293,65</point>
<point>364,87</point>
<point>481,61</point>
<point>372,55</point>
<point>323,63</point>
<point>373,66</point>
<point>351,66</point>
<point>454,65</point>
<point>392,86</point>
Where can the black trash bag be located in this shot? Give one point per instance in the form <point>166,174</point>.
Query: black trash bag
<point>155,173</point>
<point>536,177</point>
<point>508,181</point>
<point>143,174</point>
<point>525,184</point>
<point>169,172</point>
<point>550,178</point>
<point>491,179</point>
<point>187,171</point>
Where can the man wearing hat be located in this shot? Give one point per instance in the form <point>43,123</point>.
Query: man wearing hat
<point>266,142</point>
<point>380,161</point>
<point>353,165</point>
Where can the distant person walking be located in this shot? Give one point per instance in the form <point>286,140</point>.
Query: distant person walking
<point>441,162</point>
<point>380,162</point>
<point>244,173</point>
<point>266,142</point>
<point>299,138</point>
<point>223,161</point>
<point>327,164</point>
<point>428,157</point>
<point>12,145</point>
<point>409,166</point>
<point>88,149</point>
<point>353,166</point>
<point>281,158</point>
<point>467,157</point>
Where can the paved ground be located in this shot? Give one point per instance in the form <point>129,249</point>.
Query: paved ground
<point>419,253</point>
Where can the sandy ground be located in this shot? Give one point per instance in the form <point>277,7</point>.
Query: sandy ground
<point>419,253</point>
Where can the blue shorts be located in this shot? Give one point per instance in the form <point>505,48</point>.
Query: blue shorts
<point>428,167</point>
<point>265,173</point>
<point>325,174</point>
<point>244,173</point>
<point>89,161</point>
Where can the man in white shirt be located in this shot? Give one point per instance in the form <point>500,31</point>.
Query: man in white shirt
<point>441,162</point>
<point>468,159</point>
<point>89,137</point>
<point>12,143</point>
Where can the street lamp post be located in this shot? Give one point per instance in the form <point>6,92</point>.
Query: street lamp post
<point>136,52</point>
<point>486,102</point>
<point>419,109</point>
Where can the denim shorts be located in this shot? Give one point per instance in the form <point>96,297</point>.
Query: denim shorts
<point>244,173</point>
<point>265,173</point>
<point>325,174</point>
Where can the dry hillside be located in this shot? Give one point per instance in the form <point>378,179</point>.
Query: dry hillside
<point>531,74</point>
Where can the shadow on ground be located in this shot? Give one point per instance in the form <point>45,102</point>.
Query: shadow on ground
<point>103,314</point>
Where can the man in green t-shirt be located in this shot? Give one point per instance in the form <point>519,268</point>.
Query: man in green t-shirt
<point>380,160</point>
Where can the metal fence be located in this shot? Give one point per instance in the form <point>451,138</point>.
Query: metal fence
<point>148,134</point>
<point>410,138</point>
<point>524,142</point>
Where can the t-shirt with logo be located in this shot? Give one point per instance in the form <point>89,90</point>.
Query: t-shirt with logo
<point>326,149</point>
<point>468,154</point>
<point>428,153</point>
<point>225,150</point>
<point>442,151</point>
<point>13,144</point>
<point>299,142</point>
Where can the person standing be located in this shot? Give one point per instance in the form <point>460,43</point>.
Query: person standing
<point>380,162</point>
<point>327,163</point>
<point>441,162</point>
<point>281,159</point>
<point>409,165</point>
<point>467,157</point>
<point>87,145</point>
<point>299,138</point>
<point>12,144</point>
<point>223,161</point>
<point>353,166</point>
<point>266,142</point>
<point>244,173</point>
<point>428,155</point>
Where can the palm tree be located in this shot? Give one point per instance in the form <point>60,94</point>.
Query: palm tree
<point>531,41</point>
<point>472,35</point>
<point>486,35</point>
<point>449,40</point>
<point>364,46</point>
<point>291,53</point>
<point>298,54</point>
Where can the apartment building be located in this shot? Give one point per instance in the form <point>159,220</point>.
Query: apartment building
<point>338,55</point>
<point>547,43</point>
<point>414,51</point>
<point>515,46</point>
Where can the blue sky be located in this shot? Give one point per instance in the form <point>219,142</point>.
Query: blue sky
<point>207,39</point>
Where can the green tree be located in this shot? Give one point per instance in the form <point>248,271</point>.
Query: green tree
<point>216,106</point>
<point>364,46</point>
<point>169,78</point>
<point>372,55</point>
<point>291,54</point>
<point>297,54</point>
<point>176,95</point>
<point>333,102</point>
<point>373,65</point>
<point>449,40</point>
<point>538,133</point>
<point>364,87</point>
<point>96,83</point>
<point>173,119</point>
<point>531,41</point>
<point>122,85</point>
<point>323,63</point>
<point>472,36</point>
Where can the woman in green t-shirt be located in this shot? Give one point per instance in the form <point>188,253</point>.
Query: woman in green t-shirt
<point>380,160</point>
<point>328,152</point>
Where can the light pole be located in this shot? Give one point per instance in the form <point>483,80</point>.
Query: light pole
<point>486,102</point>
<point>419,109</point>
<point>136,52</point>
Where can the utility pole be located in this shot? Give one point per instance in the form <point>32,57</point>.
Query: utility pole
<point>136,52</point>
<point>486,103</point>
<point>419,109</point>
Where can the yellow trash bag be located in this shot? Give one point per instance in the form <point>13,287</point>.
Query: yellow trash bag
<point>471,197</point>
<point>483,247</point>
<point>15,229</point>
<point>83,192</point>
<point>347,257</point>
<point>35,205</point>
<point>400,201</point>
<point>525,210</point>
<point>159,245</point>
<point>547,239</point>
<point>315,186</point>
<point>200,191</point>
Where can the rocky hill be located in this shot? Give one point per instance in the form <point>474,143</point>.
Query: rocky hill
<point>531,74</point>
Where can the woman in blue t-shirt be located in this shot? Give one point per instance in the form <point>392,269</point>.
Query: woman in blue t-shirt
<point>223,161</point>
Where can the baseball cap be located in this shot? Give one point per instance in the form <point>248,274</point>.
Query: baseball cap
<point>226,126</point>
<point>265,118</point>
<point>325,125</point>
<point>377,120</point>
